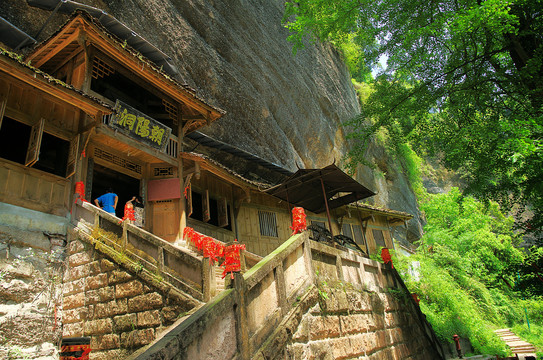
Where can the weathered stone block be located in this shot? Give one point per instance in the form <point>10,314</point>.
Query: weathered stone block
<point>79,258</point>
<point>73,287</point>
<point>100,295</point>
<point>137,338</point>
<point>92,297</point>
<point>355,323</point>
<point>108,354</point>
<point>323,327</point>
<point>336,301</point>
<point>170,314</point>
<point>145,302</point>
<point>98,327</point>
<point>95,268</point>
<point>119,276</point>
<point>342,348</point>
<point>72,330</point>
<point>109,309</point>
<point>393,319</point>
<point>125,322</point>
<point>380,338</point>
<point>76,246</point>
<point>105,342</point>
<point>71,316</point>
<point>297,351</point>
<point>107,265</point>
<point>358,344</point>
<point>132,288</point>
<point>148,319</point>
<point>73,301</point>
<point>320,350</point>
<point>98,281</point>
<point>78,272</point>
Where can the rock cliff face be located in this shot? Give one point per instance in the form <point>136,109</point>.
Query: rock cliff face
<point>285,108</point>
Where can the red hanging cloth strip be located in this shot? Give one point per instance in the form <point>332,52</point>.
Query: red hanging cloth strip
<point>385,255</point>
<point>232,259</point>
<point>212,249</point>
<point>80,191</point>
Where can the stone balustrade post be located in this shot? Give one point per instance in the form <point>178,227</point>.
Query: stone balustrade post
<point>242,329</point>
<point>281,288</point>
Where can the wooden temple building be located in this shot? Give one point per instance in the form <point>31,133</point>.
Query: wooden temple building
<point>86,106</point>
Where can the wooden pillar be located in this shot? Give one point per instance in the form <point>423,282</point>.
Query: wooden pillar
<point>182,200</point>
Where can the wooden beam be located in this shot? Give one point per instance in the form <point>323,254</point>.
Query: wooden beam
<point>58,91</point>
<point>56,49</point>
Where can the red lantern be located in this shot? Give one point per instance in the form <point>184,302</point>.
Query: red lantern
<point>232,259</point>
<point>385,255</point>
<point>298,220</point>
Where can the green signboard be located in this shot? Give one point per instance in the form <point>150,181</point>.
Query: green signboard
<point>139,126</point>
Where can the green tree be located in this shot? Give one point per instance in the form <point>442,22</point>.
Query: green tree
<point>468,264</point>
<point>464,81</point>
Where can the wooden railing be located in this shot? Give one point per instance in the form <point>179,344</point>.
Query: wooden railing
<point>184,271</point>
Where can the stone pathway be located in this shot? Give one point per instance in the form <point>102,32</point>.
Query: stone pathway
<point>518,347</point>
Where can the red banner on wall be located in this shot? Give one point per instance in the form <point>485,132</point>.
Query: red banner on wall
<point>164,189</point>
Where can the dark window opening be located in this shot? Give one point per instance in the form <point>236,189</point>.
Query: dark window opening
<point>117,86</point>
<point>123,185</point>
<point>53,155</point>
<point>14,137</point>
<point>197,207</point>
<point>198,211</point>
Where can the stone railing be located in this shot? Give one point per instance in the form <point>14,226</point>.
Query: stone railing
<point>187,272</point>
<point>244,321</point>
<point>237,321</point>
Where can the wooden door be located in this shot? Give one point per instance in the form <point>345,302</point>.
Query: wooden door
<point>166,219</point>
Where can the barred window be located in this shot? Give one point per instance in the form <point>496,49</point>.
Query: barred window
<point>268,223</point>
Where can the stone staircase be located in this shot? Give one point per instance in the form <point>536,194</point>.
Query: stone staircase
<point>519,347</point>
<point>220,282</point>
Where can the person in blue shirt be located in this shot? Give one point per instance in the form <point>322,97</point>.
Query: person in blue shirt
<point>108,201</point>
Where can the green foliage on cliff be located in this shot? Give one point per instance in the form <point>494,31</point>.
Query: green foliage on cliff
<point>464,79</point>
<point>469,266</point>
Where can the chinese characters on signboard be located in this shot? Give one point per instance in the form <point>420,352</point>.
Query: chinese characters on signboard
<point>139,126</point>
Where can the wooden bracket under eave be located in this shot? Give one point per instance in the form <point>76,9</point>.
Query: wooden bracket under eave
<point>194,170</point>
<point>246,196</point>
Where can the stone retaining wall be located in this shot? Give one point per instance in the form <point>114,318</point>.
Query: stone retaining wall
<point>351,324</point>
<point>114,306</point>
<point>30,276</point>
